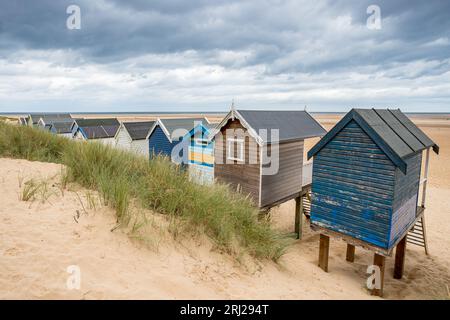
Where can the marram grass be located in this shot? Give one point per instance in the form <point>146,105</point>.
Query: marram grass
<point>228,218</point>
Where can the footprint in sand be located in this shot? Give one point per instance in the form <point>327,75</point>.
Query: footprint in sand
<point>11,252</point>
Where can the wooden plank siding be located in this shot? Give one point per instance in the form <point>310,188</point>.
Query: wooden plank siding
<point>406,193</point>
<point>353,187</point>
<point>201,157</point>
<point>123,139</point>
<point>288,180</point>
<point>159,144</point>
<point>244,174</point>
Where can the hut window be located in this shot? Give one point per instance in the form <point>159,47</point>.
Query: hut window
<point>201,142</point>
<point>235,150</point>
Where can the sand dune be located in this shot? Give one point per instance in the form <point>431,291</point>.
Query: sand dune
<point>38,241</point>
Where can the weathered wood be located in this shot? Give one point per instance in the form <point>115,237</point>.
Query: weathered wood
<point>299,217</point>
<point>424,229</point>
<point>425,178</point>
<point>288,179</point>
<point>246,174</point>
<point>324,248</point>
<point>355,186</point>
<point>380,261</point>
<point>350,253</point>
<point>400,254</point>
<point>404,206</point>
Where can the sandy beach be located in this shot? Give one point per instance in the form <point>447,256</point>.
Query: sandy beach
<point>39,240</point>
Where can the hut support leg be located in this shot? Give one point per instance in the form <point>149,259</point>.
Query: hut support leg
<point>350,253</point>
<point>324,248</point>
<point>400,253</point>
<point>298,216</point>
<point>380,261</point>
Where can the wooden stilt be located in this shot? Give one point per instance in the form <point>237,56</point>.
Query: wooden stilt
<point>298,217</point>
<point>400,253</point>
<point>379,261</point>
<point>350,253</point>
<point>324,248</point>
<point>424,232</point>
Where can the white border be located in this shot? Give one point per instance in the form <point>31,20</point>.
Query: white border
<point>237,140</point>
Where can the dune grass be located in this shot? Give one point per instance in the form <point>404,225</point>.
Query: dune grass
<point>122,178</point>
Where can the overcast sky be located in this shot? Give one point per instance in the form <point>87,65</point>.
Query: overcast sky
<point>198,55</point>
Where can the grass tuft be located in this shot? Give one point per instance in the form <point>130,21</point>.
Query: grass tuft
<point>30,190</point>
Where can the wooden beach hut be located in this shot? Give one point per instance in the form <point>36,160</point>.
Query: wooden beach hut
<point>62,128</point>
<point>166,134</point>
<point>132,136</point>
<point>100,130</point>
<point>260,153</point>
<point>201,153</point>
<point>366,179</point>
<point>22,121</point>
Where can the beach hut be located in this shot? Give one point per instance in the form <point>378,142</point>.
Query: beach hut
<point>99,130</point>
<point>366,179</point>
<point>62,128</point>
<point>166,134</point>
<point>201,153</point>
<point>132,136</point>
<point>22,121</point>
<point>260,153</point>
<point>43,119</point>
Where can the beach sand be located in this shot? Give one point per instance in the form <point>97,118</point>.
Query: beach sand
<point>38,241</point>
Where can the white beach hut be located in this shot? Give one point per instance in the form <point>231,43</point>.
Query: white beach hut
<point>133,136</point>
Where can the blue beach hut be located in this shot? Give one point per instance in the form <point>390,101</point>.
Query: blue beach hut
<point>366,180</point>
<point>166,134</point>
<point>201,153</point>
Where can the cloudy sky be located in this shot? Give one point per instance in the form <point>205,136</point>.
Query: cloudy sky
<point>198,55</point>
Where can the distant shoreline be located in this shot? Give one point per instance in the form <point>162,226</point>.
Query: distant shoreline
<point>121,113</point>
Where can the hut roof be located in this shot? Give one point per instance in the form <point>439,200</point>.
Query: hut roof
<point>50,117</point>
<point>97,122</point>
<point>139,130</point>
<point>62,126</point>
<point>292,125</point>
<point>208,130</point>
<point>169,126</point>
<point>391,130</point>
<point>98,128</point>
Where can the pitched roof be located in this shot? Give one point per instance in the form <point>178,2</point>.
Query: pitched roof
<point>207,129</point>
<point>138,130</point>
<point>100,132</point>
<point>391,130</point>
<point>292,125</point>
<point>174,124</point>
<point>97,122</point>
<point>98,128</point>
<point>62,126</point>
<point>50,117</point>
<point>177,128</point>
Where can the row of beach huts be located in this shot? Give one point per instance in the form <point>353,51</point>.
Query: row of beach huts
<point>367,184</point>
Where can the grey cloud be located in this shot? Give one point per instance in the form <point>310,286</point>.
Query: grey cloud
<point>271,30</point>
<point>286,47</point>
